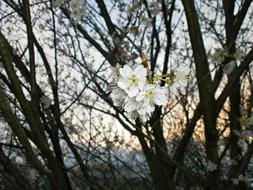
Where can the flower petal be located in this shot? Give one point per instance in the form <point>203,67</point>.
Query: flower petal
<point>140,72</point>
<point>126,71</point>
<point>160,97</point>
<point>160,100</point>
<point>123,83</point>
<point>142,84</point>
<point>133,91</point>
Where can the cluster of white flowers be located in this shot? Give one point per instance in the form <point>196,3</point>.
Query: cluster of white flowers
<point>178,78</point>
<point>135,92</point>
<point>220,55</point>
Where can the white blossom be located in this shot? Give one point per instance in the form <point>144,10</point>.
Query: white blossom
<point>132,80</point>
<point>153,94</point>
<point>135,93</point>
<point>133,115</point>
<point>146,111</point>
<point>181,74</point>
<point>131,105</point>
<point>179,78</point>
<point>118,95</point>
<point>219,56</point>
